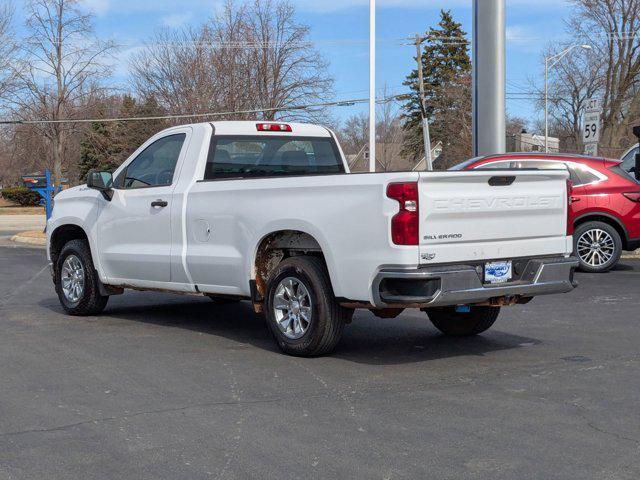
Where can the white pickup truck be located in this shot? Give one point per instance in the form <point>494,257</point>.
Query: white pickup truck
<point>268,212</point>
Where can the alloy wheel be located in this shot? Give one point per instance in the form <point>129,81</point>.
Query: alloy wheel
<point>72,279</point>
<point>596,247</point>
<point>292,308</point>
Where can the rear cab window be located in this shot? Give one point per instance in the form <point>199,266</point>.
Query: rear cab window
<point>271,156</point>
<point>580,174</point>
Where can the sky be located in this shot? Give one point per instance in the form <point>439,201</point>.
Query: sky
<point>340,30</point>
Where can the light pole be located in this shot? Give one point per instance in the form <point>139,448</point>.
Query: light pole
<point>489,76</point>
<point>550,62</point>
<point>372,85</point>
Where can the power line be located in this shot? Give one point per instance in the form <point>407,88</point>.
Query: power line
<point>337,103</point>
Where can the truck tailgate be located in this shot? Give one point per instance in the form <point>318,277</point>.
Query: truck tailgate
<point>491,215</point>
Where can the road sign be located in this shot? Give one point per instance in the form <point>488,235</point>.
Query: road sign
<point>593,105</point>
<point>591,149</point>
<point>591,128</point>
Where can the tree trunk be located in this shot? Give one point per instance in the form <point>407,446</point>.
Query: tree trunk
<point>58,157</point>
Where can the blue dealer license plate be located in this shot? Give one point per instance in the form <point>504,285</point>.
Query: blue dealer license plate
<point>498,272</point>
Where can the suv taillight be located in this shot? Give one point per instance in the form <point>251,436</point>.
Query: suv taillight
<point>633,196</point>
<point>570,201</point>
<point>405,225</point>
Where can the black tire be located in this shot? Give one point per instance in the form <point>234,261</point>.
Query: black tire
<point>463,324</point>
<point>592,264</point>
<point>90,301</point>
<point>328,318</point>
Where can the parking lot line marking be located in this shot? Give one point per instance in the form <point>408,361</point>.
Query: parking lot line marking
<point>9,296</point>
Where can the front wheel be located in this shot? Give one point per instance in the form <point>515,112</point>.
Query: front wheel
<point>598,246</point>
<point>301,309</point>
<point>75,281</point>
<point>459,323</point>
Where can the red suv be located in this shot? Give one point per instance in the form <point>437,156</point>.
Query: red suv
<point>605,205</point>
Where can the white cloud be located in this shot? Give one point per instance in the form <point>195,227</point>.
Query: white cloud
<point>99,7</point>
<point>176,20</point>
<point>523,35</point>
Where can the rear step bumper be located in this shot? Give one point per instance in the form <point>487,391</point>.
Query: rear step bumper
<point>463,284</point>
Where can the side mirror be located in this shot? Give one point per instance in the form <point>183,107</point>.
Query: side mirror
<point>636,132</point>
<point>101,181</point>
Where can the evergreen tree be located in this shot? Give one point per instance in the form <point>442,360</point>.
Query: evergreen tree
<point>446,68</point>
<point>96,150</point>
<point>107,144</point>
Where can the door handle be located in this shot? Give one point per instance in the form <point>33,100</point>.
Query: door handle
<point>159,204</point>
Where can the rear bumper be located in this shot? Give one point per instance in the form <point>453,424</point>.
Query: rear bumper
<point>463,284</point>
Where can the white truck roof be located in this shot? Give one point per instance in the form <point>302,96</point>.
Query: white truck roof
<point>250,128</point>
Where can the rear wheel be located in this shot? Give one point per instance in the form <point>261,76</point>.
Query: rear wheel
<point>598,246</point>
<point>301,309</point>
<point>76,281</point>
<point>456,323</point>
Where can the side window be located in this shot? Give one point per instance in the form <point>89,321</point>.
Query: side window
<point>506,165</point>
<point>581,175</point>
<point>629,161</point>
<point>540,165</point>
<point>155,166</point>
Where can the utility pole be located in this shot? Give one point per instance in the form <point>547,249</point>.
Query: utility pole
<point>423,108</point>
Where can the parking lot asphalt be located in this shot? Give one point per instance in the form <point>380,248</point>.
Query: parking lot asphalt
<point>13,224</point>
<point>171,387</point>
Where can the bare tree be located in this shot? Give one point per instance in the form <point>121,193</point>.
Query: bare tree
<point>612,27</point>
<point>354,134</point>
<point>574,80</point>
<point>248,57</point>
<point>454,129</point>
<point>289,71</point>
<point>8,48</point>
<point>389,136</point>
<point>60,65</point>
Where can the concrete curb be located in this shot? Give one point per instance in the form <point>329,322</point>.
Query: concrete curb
<point>29,240</point>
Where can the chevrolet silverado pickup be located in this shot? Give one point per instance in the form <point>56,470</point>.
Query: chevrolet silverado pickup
<point>269,212</point>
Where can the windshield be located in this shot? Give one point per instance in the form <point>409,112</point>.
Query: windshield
<point>249,156</point>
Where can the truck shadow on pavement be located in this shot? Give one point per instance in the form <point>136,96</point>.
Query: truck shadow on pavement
<point>409,338</point>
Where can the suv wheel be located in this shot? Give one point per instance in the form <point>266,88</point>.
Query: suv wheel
<point>598,246</point>
<point>76,282</point>
<point>301,310</point>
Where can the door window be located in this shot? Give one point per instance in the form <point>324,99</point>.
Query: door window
<point>155,166</point>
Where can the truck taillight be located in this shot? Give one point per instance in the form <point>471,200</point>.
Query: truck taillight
<point>570,201</point>
<point>405,225</point>
<point>274,127</point>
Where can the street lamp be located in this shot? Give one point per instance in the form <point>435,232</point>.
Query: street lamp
<point>550,62</point>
